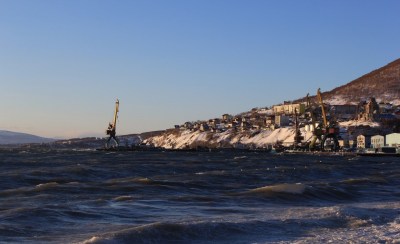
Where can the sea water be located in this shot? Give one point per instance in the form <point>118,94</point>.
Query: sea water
<point>197,197</point>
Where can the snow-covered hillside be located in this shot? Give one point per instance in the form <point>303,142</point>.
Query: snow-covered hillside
<point>230,138</point>
<point>182,139</point>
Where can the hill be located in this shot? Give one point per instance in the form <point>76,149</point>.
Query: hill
<point>382,83</point>
<point>9,137</point>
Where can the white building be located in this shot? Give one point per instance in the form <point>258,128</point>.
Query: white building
<point>289,109</point>
<point>393,140</point>
<point>363,141</point>
<point>377,141</point>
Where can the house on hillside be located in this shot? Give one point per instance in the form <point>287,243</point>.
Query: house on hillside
<point>290,109</point>
<point>387,118</point>
<point>385,108</point>
<point>188,125</point>
<point>227,117</point>
<point>245,126</point>
<point>393,140</point>
<point>377,141</point>
<point>204,127</point>
<point>346,111</point>
<point>269,120</point>
<point>282,120</point>
<point>214,122</point>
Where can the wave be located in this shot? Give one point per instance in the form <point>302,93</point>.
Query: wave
<point>372,180</point>
<point>15,191</point>
<point>28,189</point>
<point>141,180</point>
<point>302,192</point>
<point>310,222</point>
<point>123,198</point>
<point>297,188</point>
<point>45,186</point>
<point>212,173</point>
<point>184,232</point>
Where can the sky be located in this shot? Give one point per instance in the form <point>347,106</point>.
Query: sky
<point>64,63</point>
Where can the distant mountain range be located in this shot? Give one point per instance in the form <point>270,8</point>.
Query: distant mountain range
<point>9,137</point>
<point>382,83</point>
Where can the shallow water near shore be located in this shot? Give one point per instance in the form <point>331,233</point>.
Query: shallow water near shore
<point>197,197</point>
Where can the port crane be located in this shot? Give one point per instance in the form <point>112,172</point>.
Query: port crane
<point>327,132</point>
<point>111,130</point>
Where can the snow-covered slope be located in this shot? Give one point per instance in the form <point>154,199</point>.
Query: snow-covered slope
<point>9,137</point>
<point>229,138</point>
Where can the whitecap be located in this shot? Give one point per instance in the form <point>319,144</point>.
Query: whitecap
<point>46,185</point>
<point>123,198</point>
<point>297,188</point>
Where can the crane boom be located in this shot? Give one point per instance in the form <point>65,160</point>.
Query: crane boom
<point>319,96</point>
<point>116,114</point>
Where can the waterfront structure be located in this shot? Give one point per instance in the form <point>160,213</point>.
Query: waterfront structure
<point>393,140</point>
<point>363,141</point>
<point>352,143</point>
<point>377,141</point>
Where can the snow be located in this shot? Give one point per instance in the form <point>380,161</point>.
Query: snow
<point>337,100</point>
<point>358,123</point>
<point>186,138</point>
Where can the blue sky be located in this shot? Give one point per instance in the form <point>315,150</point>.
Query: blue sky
<point>63,63</point>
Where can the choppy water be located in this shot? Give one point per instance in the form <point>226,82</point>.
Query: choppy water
<point>177,197</point>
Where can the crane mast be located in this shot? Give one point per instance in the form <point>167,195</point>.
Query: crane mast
<point>319,96</point>
<point>327,133</point>
<point>111,130</point>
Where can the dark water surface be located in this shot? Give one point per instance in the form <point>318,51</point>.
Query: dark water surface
<point>187,197</point>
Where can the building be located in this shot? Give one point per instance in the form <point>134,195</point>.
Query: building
<point>188,125</point>
<point>269,120</point>
<point>368,110</point>
<point>282,120</point>
<point>393,140</point>
<point>385,108</point>
<point>227,117</point>
<point>342,143</point>
<point>346,111</point>
<point>204,127</point>
<point>377,141</point>
<point>363,141</point>
<point>352,143</point>
<point>289,109</point>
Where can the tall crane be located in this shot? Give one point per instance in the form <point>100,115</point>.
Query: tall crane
<point>321,103</point>
<point>111,130</point>
<point>328,131</point>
